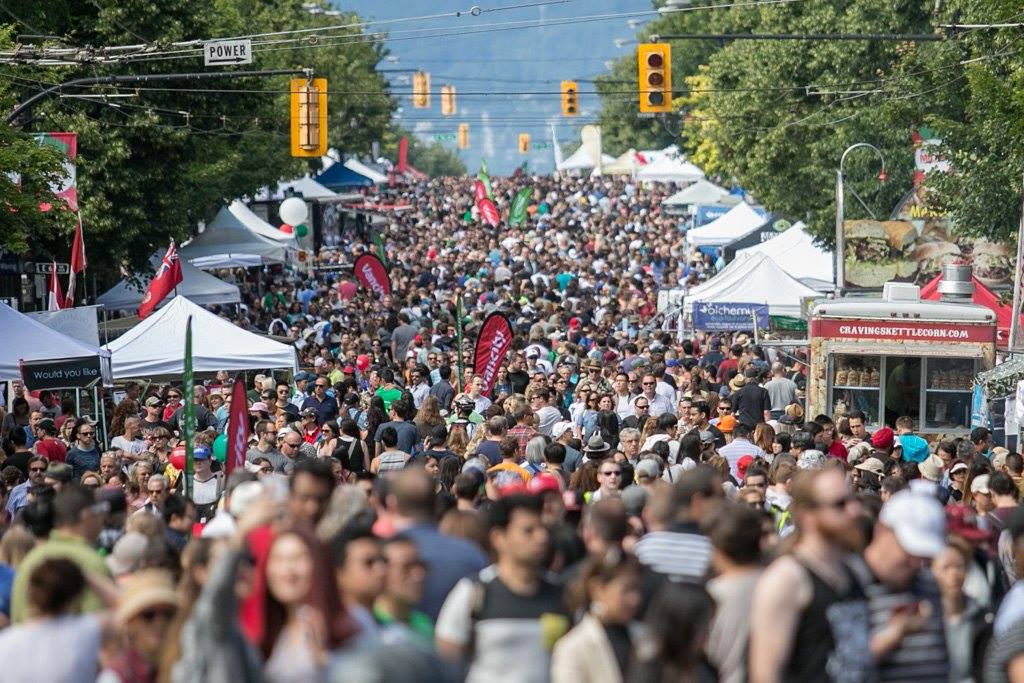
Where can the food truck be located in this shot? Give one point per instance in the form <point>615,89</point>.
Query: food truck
<point>898,355</point>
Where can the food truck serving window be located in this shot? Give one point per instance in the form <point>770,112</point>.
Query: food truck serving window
<point>935,392</point>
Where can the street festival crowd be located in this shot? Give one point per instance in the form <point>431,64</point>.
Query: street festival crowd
<point>626,503</point>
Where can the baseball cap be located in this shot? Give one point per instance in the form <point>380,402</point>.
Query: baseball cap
<point>258,406</point>
<point>979,485</point>
<point>127,553</point>
<point>918,521</point>
<point>153,402</point>
<point>647,469</point>
<point>726,424</point>
<point>59,471</point>
<point>961,521</point>
<point>307,412</point>
<point>200,453</point>
<point>707,436</point>
<point>742,464</point>
<point>958,467</point>
<point>560,428</point>
<point>672,363</point>
<point>544,482</point>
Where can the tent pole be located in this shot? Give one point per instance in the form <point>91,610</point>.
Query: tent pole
<point>101,414</point>
<point>78,402</point>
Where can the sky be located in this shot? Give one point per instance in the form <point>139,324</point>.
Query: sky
<point>524,65</point>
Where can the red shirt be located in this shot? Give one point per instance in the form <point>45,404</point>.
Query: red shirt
<point>724,367</point>
<point>838,450</point>
<point>53,449</point>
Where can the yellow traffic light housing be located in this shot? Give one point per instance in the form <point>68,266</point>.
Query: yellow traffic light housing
<point>654,66</point>
<point>421,90</point>
<point>308,117</point>
<point>570,99</point>
<point>524,143</point>
<point>448,100</point>
<point>463,141</point>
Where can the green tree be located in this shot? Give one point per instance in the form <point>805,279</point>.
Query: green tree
<point>147,172</point>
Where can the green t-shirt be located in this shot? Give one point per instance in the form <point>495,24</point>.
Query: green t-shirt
<point>389,396</point>
<point>419,623</point>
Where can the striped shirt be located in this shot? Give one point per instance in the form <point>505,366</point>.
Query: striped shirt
<point>921,656</point>
<point>681,552</point>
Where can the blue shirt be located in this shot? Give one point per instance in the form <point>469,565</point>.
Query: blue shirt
<point>83,461</point>
<point>17,500</point>
<point>326,410</point>
<point>448,559</point>
<point>915,449</point>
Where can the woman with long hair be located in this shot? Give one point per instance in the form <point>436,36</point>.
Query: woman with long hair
<point>764,437</point>
<point>603,645</point>
<point>18,417</point>
<point>584,479</point>
<point>352,450</point>
<point>375,417</point>
<point>428,417</point>
<point>328,440</point>
<point>125,409</point>
<point>678,622</point>
<point>457,441</point>
<point>66,430</point>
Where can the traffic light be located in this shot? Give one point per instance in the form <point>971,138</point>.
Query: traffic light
<point>463,136</point>
<point>570,99</point>
<point>524,143</point>
<point>308,117</point>
<point>448,100</point>
<point>654,64</point>
<point>421,90</point>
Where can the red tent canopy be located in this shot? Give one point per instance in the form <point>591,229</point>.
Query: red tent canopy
<point>983,296</point>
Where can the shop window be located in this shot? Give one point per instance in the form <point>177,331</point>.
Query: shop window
<point>856,381</point>
<point>948,393</point>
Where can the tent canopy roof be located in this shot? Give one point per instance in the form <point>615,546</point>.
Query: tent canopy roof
<point>155,347</point>
<point>753,280</point>
<point>701,192</point>
<point>581,159</point>
<point>796,253</point>
<point>983,296</point>
<point>26,339</point>
<point>736,223</point>
<point>305,187</point>
<point>197,286</point>
<point>237,230</point>
<point>364,170</point>
<point>667,170</point>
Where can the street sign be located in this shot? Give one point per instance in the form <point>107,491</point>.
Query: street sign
<point>220,52</point>
<point>47,268</point>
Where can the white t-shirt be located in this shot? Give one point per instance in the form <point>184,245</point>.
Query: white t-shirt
<point>64,648</point>
<point>134,447</point>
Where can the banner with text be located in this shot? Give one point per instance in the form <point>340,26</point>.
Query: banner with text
<point>372,274</point>
<point>734,316</point>
<point>63,373</point>
<point>491,347</point>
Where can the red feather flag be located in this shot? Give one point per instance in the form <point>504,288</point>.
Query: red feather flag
<point>168,276</point>
<point>489,212</point>
<point>238,428</point>
<point>372,274</point>
<point>491,347</point>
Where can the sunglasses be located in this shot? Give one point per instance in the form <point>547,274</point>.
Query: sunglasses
<point>612,473</point>
<point>173,396</point>
<point>36,469</point>
<point>86,433</point>
<point>649,384</point>
<point>321,386</point>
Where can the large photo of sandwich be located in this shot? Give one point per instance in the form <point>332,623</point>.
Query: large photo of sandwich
<point>878,252</point>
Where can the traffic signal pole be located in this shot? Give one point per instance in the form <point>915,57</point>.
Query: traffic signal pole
<point>28,104</point>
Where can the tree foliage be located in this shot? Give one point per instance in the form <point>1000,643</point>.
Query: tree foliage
<point>777,115</point>
<point>148,172</point>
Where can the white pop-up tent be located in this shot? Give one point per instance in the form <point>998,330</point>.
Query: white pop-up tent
<point>581,160</point>
<point>304,187</point>
<point>625,164</point>
<point>701,192</point>
<point>796,253</point>
<point>28,340</point>
<point>737,222</point>
<point>156,346</point>
<point>668,170</point>
<point>752,280</point>
<point>196,286</point>
<point>238,237</point>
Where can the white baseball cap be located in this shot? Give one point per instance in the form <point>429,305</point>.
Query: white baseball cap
<point>560,428</point>
<point>918,521</point>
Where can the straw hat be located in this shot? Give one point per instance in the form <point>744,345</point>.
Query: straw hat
<point>146,589</point>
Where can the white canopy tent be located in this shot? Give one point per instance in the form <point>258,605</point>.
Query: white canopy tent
<point>155,347</point>
<point>625,164</point>
<point>668,170</point>
<point>196,286</point>
<point>752,280</point>
<point>736,223</point>
<point>701,192</point>
<point>581,160</point>
<point>305,187</point>
<point>364,170</point>
<point>796,253</point>
<point>26,339</point>
<point>237,237</point>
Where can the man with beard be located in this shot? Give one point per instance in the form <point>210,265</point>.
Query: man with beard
<point>809,618</point>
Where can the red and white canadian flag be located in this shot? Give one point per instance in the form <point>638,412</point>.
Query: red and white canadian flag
<point>56,300</point>
<point>168,276</point>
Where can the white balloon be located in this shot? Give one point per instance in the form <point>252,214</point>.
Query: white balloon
<point>293,211</point>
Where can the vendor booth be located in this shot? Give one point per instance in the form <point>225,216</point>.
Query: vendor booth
<point>753,280</point>
<point>46,359</point>
<point>581,160</point>
<point>669,170</point>
<point>154,347</point>
<point>701,192</point>
<point>237,237</point>
<point>898,355</point>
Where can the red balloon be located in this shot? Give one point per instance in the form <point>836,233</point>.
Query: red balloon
<point>287,228</point>
<point>178,458</point>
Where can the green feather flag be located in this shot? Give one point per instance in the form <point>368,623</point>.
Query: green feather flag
<point>517,212</point>
<point>458,341</point>
<point>188,430</point>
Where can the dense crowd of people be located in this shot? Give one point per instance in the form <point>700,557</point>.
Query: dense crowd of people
<point>629,502</point>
